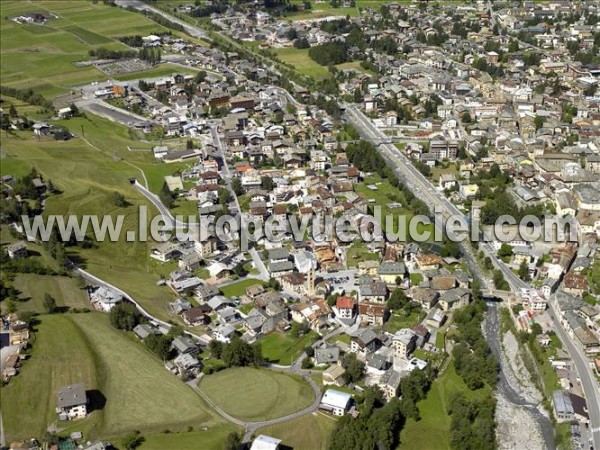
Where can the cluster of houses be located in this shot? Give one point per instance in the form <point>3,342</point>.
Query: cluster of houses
<point>15,336</point>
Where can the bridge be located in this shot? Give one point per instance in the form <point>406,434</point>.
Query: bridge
<point>496,295</point>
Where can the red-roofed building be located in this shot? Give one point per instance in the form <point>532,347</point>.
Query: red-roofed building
<point>345,307</point>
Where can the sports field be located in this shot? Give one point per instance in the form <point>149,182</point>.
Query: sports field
<point>131,388</point>
<point>43,56</point>
<point>257,394</point>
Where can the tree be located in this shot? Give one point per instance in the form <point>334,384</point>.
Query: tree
<point>215,348</point>
<point>397,299</point>
<point>505,251</point>
<point>223,194</point>
<point>124,316</point>
<point>466,117</point>
<point>536,329</point>
<point>49,303</point>
<point>166,196</point>
<point>233,441</point>
<point>118,199</point>
<point>12,112</point>
<point>539,122</point>
<point>133,440</point>
<point>523,271</point>
<point>159,344</point>
<point>353,366</point>
<point>267,183</point>
<point>239,353</point>
<point>236,186</point>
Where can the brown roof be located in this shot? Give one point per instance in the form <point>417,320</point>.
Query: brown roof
<point>370,309</point>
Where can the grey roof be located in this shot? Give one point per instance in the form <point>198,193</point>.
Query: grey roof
<point>365,336</point>
<point>282,266</point>
<point>183,344</point>
<point>562,403</point>
<point>144,330</point>
<point>375,288</point>
<point>392,268</point>
<point>454,295</point>
<point>71,395</point>
<point>327,355</point>
<point>279,253</point>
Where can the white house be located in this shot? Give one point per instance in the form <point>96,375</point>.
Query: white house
<point>72,402</point>
<point>335,402</point>
<point>263,442</point>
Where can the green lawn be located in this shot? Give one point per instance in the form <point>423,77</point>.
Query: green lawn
<point>257,394</point>
<point>298,57</point>
<point>283,348</point>
<point>433,430</point>
<point>383,196</point>
<point>310,432</point>
<point>140,394</point>
<point>358,252</point>
<point>239,288</point>
<point>213,438</point>
<point>65,291</point>
<point>400,320</point>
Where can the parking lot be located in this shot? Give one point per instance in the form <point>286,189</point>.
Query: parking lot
<point>342,281</point>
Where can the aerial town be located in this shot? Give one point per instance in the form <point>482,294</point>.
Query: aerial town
<point>148,301</point>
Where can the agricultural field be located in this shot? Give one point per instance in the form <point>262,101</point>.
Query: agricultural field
<point>129,388</point>
<point>310,432</point>
<point>43,56</point>
<point>141,394</point>
<point>257,394</point>
<point>65,290</point>
<point>299,59</point>
<point>88,175</point>
<point>56,359</point>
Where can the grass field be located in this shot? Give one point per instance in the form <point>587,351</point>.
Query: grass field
<point>400,320</point>
<point>239,288</point>
<point>310,432</point>
<point>139,394</point>
<point>383,196</point>
<point>210,439</point>
<point>358,252</point>
<point>257,394</point>
<point>433,430</point>
<point>87,175</point>
<point>58,358</point>
<point>65,291</point>
<point>298,57</point>
<point>284,349</point>
<point>43,56</point>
